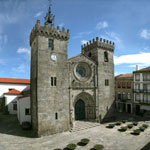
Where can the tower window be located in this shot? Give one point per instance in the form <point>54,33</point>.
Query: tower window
<point>51,44</point>
<point>105,57</point>
<point>90,54</point>
<point>53,81</point>
<point>56,116</point>
<point>106,82</point>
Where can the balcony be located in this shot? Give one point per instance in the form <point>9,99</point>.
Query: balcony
<point>145,102</point>
<point>123,99</point>
<point>141,91</point>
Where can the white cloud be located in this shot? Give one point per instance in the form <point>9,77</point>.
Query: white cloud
<point>83,42</point>
<point>39,14</point>
<point>142,59</point>
<point>139,65</point>
<point>101,25</point>
<point>114,37</point>
<point>145,34</point>
<point>23,50</point>
<point>81,34</point>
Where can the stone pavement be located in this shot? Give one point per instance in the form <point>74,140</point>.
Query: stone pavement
<point>110,138</point>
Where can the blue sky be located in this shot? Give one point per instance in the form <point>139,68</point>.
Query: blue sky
<point>126,22</point>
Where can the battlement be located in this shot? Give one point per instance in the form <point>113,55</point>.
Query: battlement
<point>98,43</point>
<point>48,31</point>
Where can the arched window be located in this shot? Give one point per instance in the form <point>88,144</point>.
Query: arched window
<point>105,57</point>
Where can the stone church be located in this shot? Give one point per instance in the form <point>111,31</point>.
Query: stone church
<point>64,90</point>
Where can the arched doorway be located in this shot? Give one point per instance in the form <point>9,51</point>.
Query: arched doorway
<point>80,110</point>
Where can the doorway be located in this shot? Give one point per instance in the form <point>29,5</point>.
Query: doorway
<point>129,108</point>
<point>80,110</point>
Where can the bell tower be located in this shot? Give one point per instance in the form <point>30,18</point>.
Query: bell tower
<point>49,77</point>
<point>102,51</point>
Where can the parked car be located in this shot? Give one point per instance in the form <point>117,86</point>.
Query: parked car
<point>26,125</point>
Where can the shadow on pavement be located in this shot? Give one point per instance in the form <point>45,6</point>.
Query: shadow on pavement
<point>9,124</point>
<point>146,147</point>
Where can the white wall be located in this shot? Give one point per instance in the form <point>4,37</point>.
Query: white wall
<point>4,87</point>
<point>9,102</point>
<point>22,104</point>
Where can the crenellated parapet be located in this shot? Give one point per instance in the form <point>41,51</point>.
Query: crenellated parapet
<point>49,31</point>
<point>98,43</point>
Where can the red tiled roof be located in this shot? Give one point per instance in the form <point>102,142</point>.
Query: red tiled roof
<point>13,92</point>
<point>124,76</point>
<point>144,69</point>
<point>13,80</point>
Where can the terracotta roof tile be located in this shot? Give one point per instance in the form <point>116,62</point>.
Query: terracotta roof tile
<point>124,76</point>
<point>13,92</point>
<point>144,69</point>
<point>14,80</point>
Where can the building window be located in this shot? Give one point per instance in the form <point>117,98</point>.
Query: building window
<point>119,85</point>
<point>137,97</point>
<point>50,44</point>
<point>146,77</point>
<point>145,87</point>
<point>129,96</point>
<point>56,116</point>
<point>105,57</point>
<point>137,87</point>
<point>119,95</point>
<point>27,111</point>
<point>124,96</point>
<point>137,77</point>
<point>106,82</point>
<point>14,106</point>
<point>123,84</point>
<point>128,85</point>
<point>53,81</point>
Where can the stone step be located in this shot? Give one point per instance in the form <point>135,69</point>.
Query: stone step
<point>82,125</point>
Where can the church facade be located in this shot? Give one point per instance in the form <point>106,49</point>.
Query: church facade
<point>64,90</point>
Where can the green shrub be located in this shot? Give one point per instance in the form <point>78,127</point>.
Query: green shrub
<point>57,149</point>
<point>122,129</point>
<point>135,123</point>
<point>85,141</point>
<point>136,132</point>
<point>98,147</point>
<point>123,121</point>
<point>118,123</point>
<point>145,125</point>
<point>110,126</point>
<point>130,126</point>
<point>141,128</point>
<point>71,146</point>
